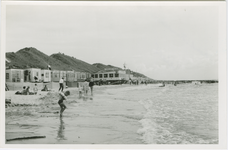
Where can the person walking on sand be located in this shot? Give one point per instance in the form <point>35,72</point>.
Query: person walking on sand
<point>63,96</point>
<point>91,84</point>
<point>61,84</point>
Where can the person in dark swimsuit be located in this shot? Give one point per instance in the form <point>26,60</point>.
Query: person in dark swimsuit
<point>63,96</point>
<point>91,84</point>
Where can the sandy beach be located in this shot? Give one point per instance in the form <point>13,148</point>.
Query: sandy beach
<point>111,117</point>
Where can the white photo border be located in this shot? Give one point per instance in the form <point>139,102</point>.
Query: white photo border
<point>222,77</point>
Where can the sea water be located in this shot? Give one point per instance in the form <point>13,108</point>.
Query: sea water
<point>182,114</point>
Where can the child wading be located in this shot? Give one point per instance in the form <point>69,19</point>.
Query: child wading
<point>60,102</point>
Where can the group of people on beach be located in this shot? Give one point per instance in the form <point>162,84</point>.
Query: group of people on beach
<point>83,90</point>
<point>85,87</point>
<point>27,91</point>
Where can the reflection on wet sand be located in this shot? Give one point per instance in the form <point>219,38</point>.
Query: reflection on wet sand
<point>60,135</point>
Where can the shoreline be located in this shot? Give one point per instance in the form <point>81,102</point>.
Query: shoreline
<point>107,119</point>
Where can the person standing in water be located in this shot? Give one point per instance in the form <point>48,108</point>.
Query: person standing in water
<point>85,87</point>
<point>61,84</point>
<point>91,84</point>
<point>80,90</point>
<point>63,96</point>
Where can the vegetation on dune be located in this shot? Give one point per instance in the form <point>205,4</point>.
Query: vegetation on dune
<point>32,58</point>
<point>75,64</point>
<point>15,60</point>
<point>136,74</point>
<point>102,66</point>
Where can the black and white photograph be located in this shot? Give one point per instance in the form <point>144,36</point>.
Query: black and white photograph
<point>114,73</point>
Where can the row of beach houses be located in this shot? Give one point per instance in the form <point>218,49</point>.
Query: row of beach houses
<point>45,75</point>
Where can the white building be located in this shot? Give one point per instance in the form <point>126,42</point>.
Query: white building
<point>14,75</point>
<point>62,74</point>
<point>32,75</point>
<point>76,76</point>
<point>111,74</point>
<point>82,75</point>
<point>70,76</point>
<point>45,75</point>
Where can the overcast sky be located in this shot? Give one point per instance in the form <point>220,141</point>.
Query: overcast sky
<point>162,42</point>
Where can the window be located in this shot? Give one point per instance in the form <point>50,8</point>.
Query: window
<point>7,75</point>
<point>96,75</point>
<point>47,74</point>
<point>37,74</point>
<point>116,75</point>
<point>110,75</point>
<point>105,75</point>
<point>92,75</point>
<point>17,74</point>
<point>100,75</point>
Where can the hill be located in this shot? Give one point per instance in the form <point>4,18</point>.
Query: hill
<point>33,58</point>
<point>14,60</point>
<point>75,64</point>
<point>102,66</point>
<point>136,74</point>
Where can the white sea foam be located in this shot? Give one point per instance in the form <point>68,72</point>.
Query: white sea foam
<point>184,114</point>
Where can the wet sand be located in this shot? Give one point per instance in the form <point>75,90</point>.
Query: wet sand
<point>111,117</point>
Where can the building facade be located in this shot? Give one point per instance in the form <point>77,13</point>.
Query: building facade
<point>55,75</point>
<point>70,76</point>
<point>45,75</point>
<point>32,75</point>
<point>62,74</point>
<point>82,75</point>
<point>14,75</point>
<point>111,74</point>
